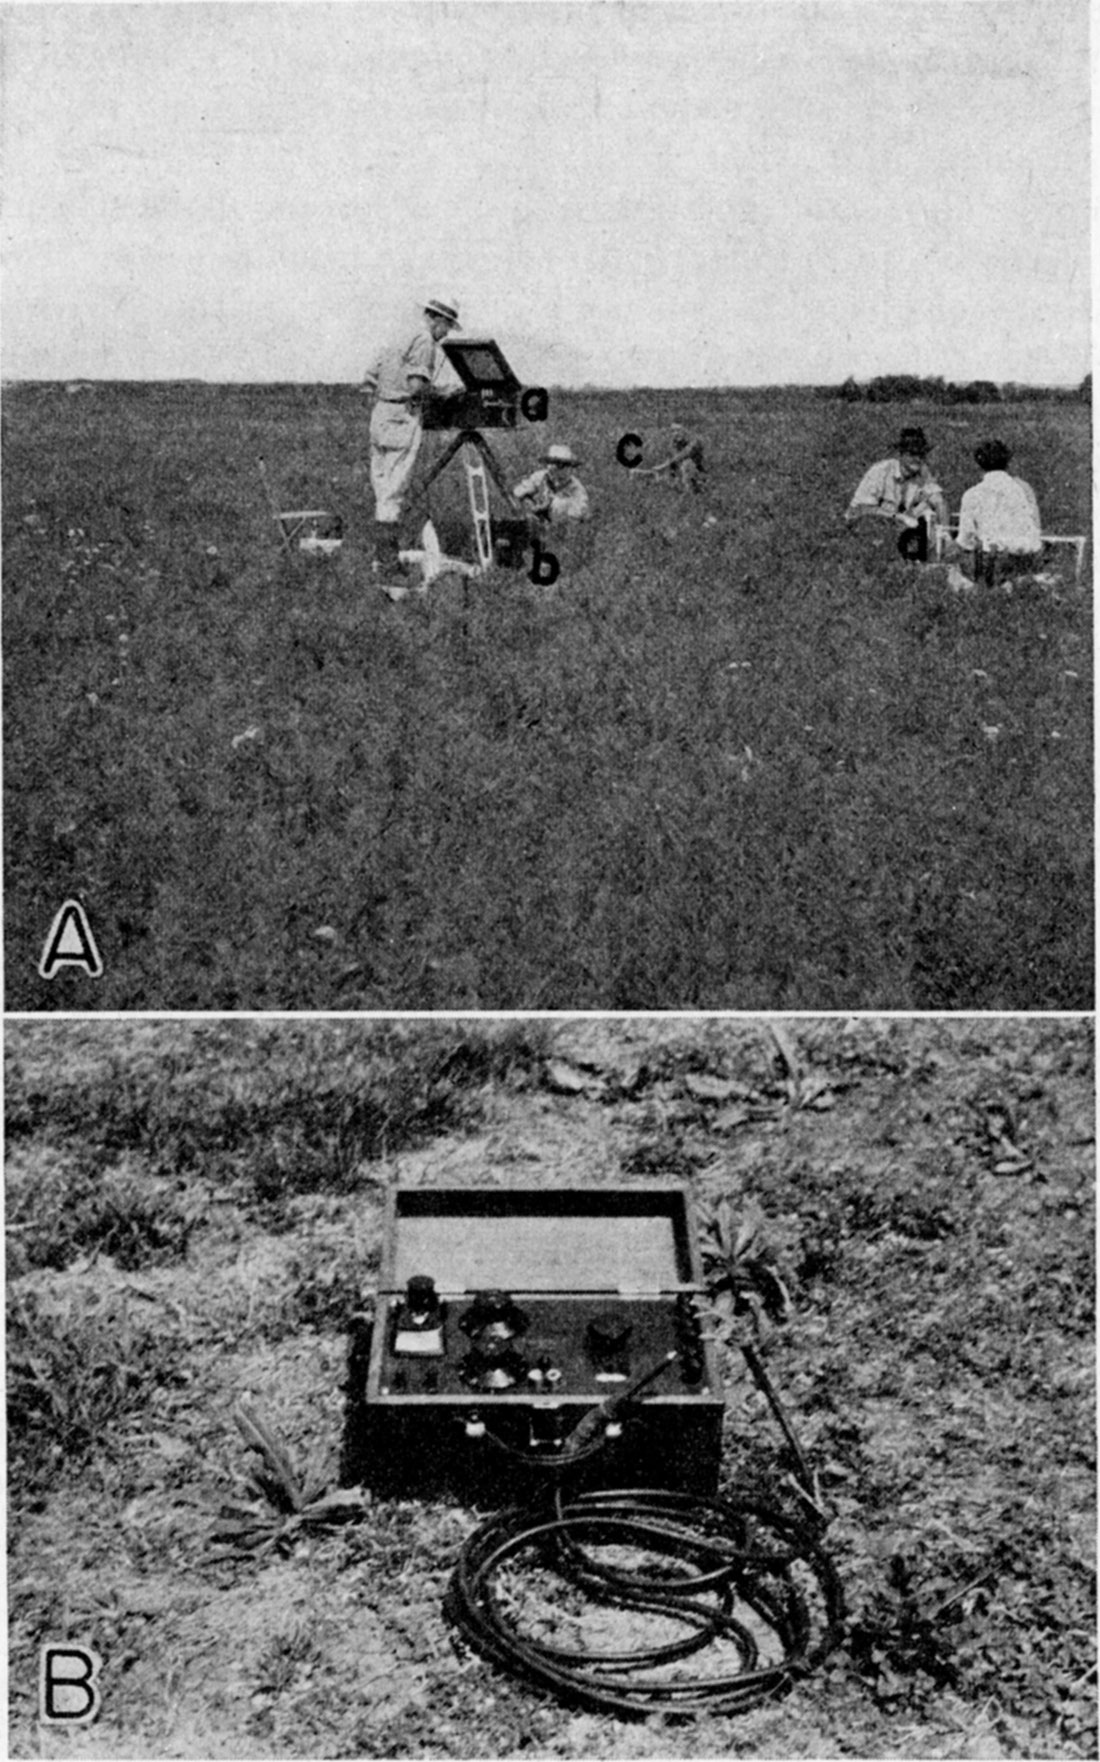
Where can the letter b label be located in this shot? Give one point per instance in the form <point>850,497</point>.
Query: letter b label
<point>545,567</point>
<point>67,1692</point>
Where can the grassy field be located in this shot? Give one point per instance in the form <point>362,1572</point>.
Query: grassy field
<point>194,1211</point>
<point>736,757</point>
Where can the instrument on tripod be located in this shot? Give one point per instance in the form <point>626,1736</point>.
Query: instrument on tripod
<point>489,398</point>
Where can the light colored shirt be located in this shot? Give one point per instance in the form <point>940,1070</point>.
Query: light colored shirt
<point>883,490</point>
<point>401,370</point>
<point>1000,514</point>
<point>568,502</point>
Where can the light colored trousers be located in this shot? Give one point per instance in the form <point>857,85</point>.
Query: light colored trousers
<point>395,433</point>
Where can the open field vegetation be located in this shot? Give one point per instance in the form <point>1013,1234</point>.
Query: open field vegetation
<point>736,757</point>
<point>194,1211</point>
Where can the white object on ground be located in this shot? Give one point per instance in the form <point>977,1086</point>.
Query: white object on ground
<point>958,582</point>
<point>431,559</point>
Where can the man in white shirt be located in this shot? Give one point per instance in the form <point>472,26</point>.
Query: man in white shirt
<point>999,525</point>
<point>400,380</point>
<point>903,491</point>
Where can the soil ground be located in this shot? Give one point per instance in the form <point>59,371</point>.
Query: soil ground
<point>927,1188</point>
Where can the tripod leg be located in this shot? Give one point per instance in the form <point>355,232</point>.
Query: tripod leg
<point>439,465</point>
<point>491,461</point>
<point>479,508</point>
<point>284,535</point>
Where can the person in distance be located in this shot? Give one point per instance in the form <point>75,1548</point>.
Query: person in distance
<point>685,465</point>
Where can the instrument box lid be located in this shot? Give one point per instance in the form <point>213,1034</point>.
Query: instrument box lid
<point>480,364</point>
<point>637,1240</point>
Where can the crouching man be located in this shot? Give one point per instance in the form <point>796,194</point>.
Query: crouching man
<point>555,493</point>
<point>686,464</point>
<point>903,491</point>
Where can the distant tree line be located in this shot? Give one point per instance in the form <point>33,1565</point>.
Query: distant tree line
<point>904,388</point>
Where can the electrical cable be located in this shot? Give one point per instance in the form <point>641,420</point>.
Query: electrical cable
<point>737,1571</point>
<point>731,1576</point>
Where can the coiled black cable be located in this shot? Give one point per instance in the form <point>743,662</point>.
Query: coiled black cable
<point>740,1571</point>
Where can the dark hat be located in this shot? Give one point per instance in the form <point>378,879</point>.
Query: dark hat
<point>992,455</point>
<point>913,440</point>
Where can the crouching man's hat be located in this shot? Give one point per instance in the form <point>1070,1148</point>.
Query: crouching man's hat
<point>913,440</point>
<point>441,309</point>
<point>559,456</point>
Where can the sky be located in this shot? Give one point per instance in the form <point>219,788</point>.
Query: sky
<point>676,194</point>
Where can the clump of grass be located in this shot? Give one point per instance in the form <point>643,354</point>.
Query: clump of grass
<point>80,1373</point>
<point>63,1211</point>
<point>325,1283</point>
<point>300,1110</point>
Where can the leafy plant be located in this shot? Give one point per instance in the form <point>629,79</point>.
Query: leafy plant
<point>284,1499</point>
<point>740,1269</point>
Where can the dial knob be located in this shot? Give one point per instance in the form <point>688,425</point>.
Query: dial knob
<point>420,1297</point>
<point>492,1369</point>
<point>494,1314</point>
<point>608,1334</point>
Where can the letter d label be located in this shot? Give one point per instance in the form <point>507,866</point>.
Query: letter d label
<point>67,1692</point>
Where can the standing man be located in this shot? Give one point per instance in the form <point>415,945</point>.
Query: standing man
<point>903,491</point>
<point>400,380</point>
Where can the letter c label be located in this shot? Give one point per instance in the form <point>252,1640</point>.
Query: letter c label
<point>629,451</point>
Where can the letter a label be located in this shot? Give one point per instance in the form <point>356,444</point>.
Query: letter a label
<point>70,943</point>
<point>67,1692</point>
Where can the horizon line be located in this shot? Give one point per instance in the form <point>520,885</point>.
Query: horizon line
<point>7,382</point>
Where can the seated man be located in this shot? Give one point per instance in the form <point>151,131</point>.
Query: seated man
<point>999,526</point>
<point>903,491</point>
<point>556,492</point>
<point>686,464</point>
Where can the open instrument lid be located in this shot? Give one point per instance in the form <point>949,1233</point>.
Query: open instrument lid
<point>480,364</point>
<point>635,1239</point>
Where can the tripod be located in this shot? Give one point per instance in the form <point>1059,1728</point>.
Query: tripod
<point>477,457</point>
